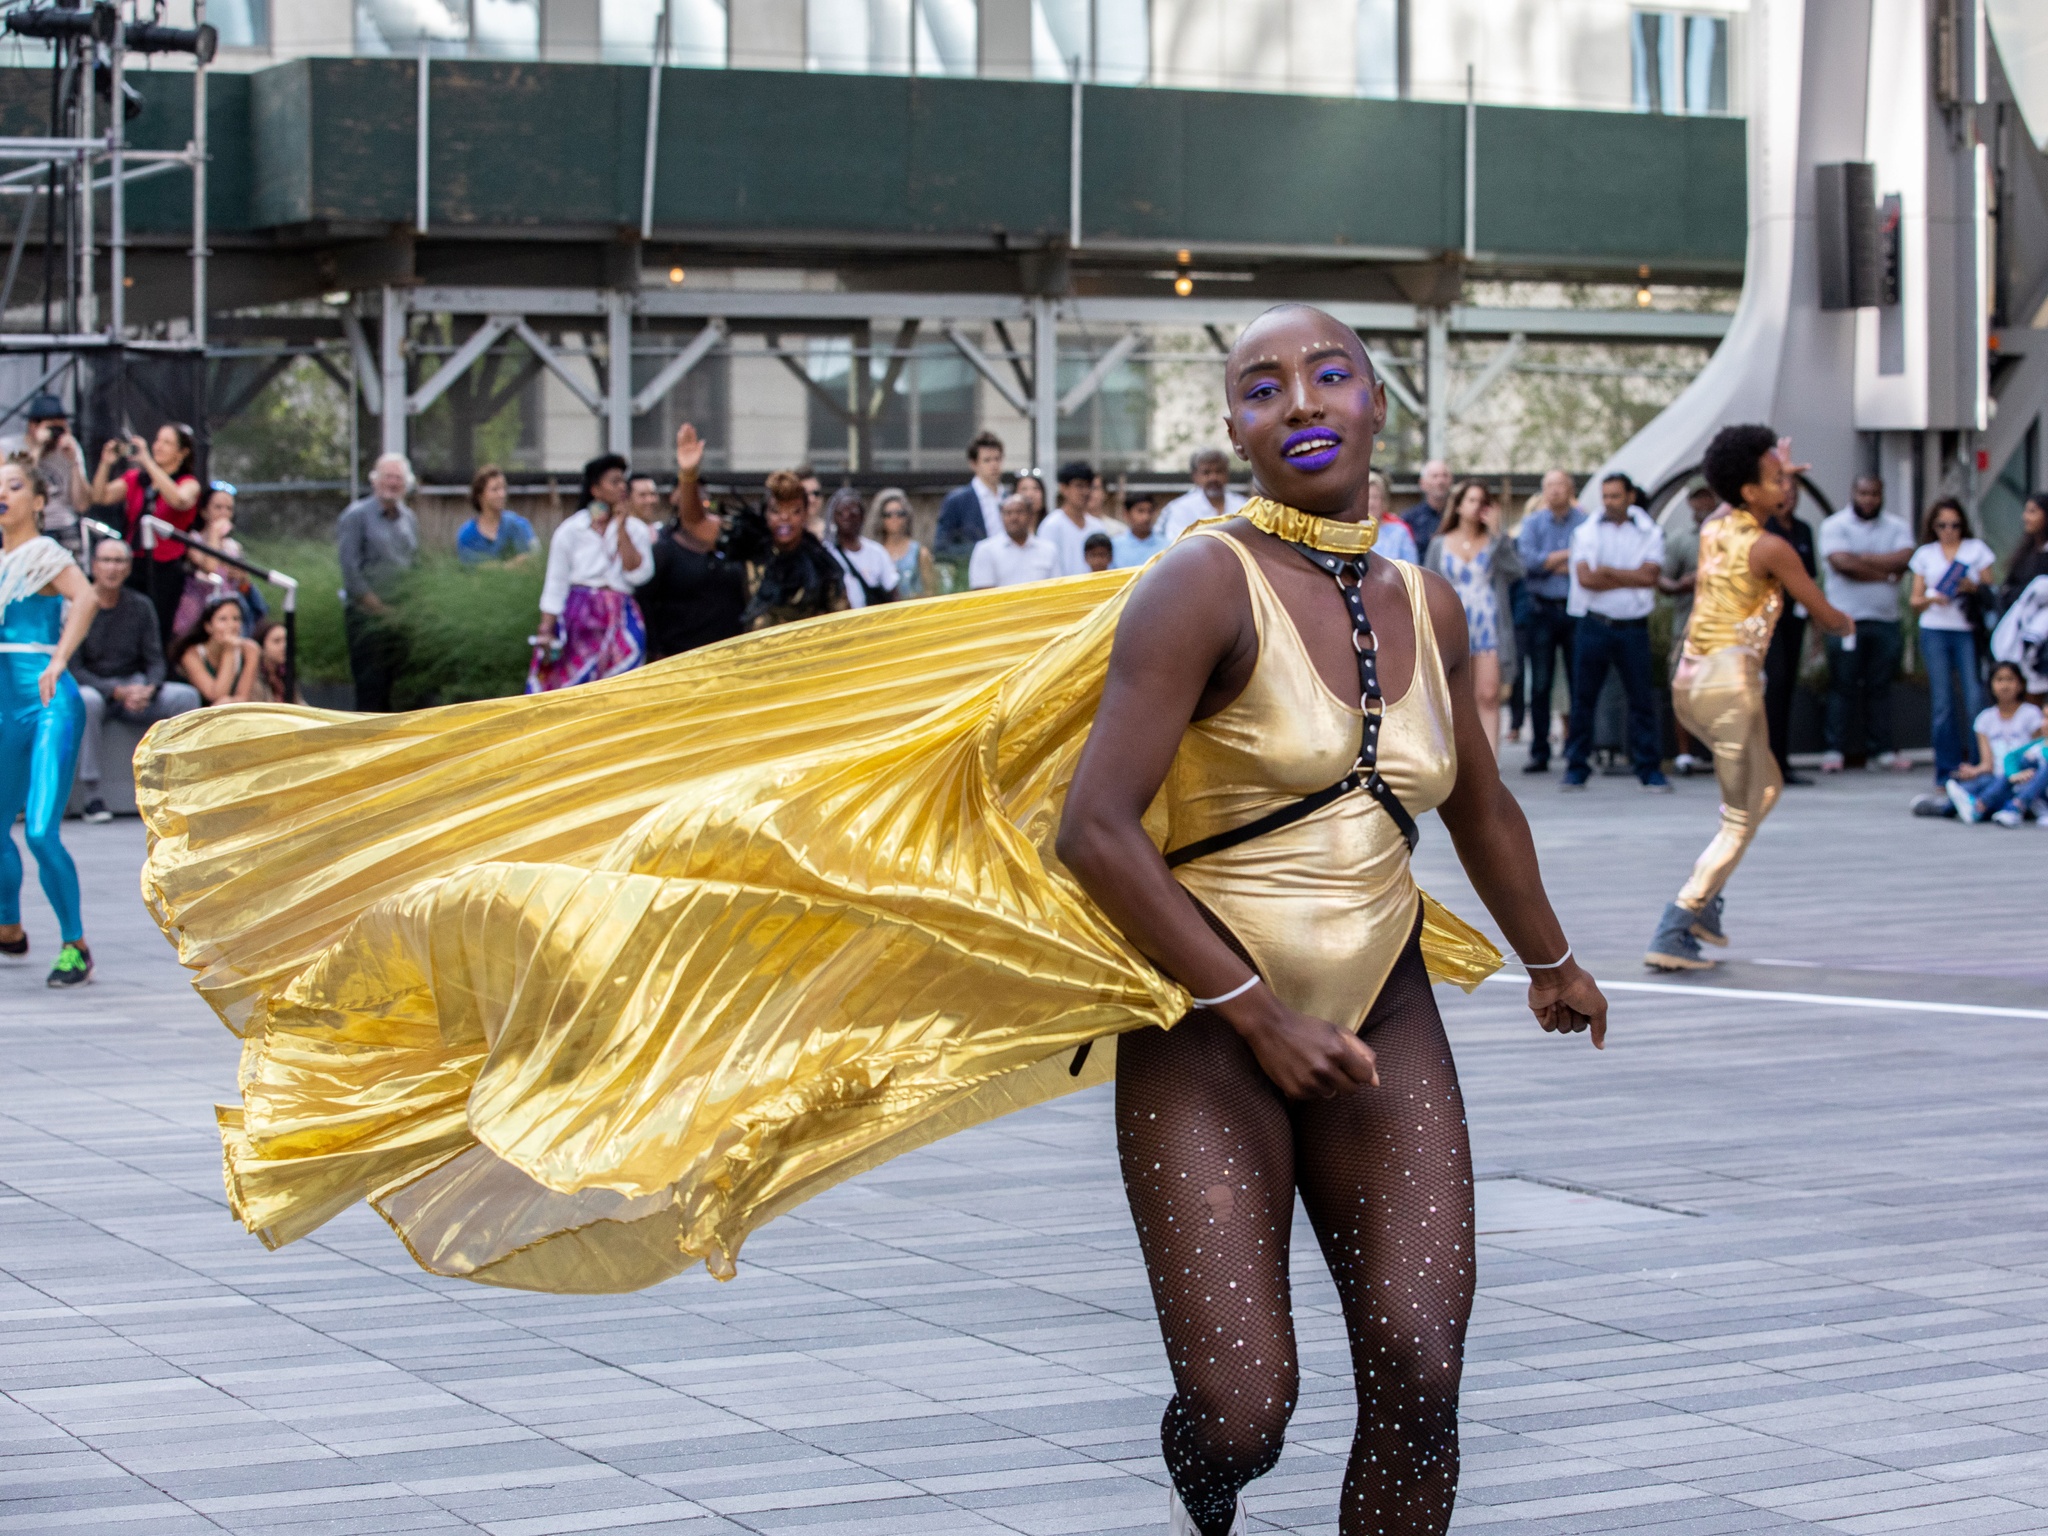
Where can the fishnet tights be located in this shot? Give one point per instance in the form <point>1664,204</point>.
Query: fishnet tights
<point>1212,1157</point>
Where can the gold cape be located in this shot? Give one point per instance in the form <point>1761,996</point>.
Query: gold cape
<point>579,989</point>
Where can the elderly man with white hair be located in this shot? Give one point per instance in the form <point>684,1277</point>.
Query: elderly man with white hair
<point>379,541</point>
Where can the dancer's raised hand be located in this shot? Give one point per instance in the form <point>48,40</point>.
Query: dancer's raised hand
<point>1567,1000</point>
<point>689,451</point>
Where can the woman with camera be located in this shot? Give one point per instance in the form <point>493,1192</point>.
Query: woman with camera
<point>48,443</point>
<point>158,482</point>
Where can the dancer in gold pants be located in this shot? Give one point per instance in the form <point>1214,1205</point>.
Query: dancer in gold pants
<point>1718,690</point>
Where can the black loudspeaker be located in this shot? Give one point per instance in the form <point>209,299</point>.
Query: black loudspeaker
<point>1845,229</point>
<point>124,389</point>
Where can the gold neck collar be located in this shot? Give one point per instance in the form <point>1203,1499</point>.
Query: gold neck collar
<point>1324,533</point>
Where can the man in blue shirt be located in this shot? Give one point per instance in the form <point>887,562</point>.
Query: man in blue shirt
<point>1142,537</point>
<point>1545,543</point>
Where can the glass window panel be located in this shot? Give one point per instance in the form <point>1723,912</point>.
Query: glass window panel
<point>1112,428</point>
<point>703,399</point>
<point>1661,80</point>
<point>1117,34</point>
<point>1379,48</point>
<point>504,29</point>
<point>241,23</point>
<point>829,361</point>
<point>945,407</point>
<point>1644,76</point>
<point>626,30</point>
<point>948,37</point>
<point>1670,62</point>
<point>697,31</point>
<point>858,37</point>
<point>404,26</point>
<point>1706,64</point>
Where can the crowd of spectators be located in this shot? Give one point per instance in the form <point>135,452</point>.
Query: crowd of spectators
<point>638,573</point>
<point>169,619</point>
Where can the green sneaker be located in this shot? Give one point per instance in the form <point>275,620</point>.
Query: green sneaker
<point>73,967</point>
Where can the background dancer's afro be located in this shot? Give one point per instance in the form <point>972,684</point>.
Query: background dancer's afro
<point>1732,457</point>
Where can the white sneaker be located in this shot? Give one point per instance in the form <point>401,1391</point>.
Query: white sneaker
<point>1831,762</point>
<point>1686,764</point>
<point>1891,762</point>
<point>1965,803</point>
<point>1184,1525</point>
<point>2009,817</point>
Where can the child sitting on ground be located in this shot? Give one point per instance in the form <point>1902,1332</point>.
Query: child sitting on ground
<point>2008,777</point>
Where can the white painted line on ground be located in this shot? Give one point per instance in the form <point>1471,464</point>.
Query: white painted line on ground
<point>1822,999</point>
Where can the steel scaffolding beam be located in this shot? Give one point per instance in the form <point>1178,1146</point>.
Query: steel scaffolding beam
<point>1035,394</point>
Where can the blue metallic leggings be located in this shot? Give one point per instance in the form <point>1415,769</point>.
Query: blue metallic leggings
<point>38,751</point>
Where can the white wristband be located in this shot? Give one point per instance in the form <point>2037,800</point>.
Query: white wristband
<point>1237,991</point>
<point>1547,965</point>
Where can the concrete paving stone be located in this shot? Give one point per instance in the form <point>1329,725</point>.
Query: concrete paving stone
<point>1857,1323</point>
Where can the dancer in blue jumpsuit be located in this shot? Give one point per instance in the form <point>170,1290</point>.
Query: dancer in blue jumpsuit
<point>41,715</point>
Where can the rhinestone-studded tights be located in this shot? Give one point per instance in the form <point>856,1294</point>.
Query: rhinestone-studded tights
<point>1212,1157</point>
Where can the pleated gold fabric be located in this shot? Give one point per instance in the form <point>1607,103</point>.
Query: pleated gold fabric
<point>580,989</point>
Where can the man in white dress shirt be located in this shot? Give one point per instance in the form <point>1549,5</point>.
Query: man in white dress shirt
<point>1067,526</point>
<point>1616,559</point>
<point>1211,495</point>
<point>1018,556</point>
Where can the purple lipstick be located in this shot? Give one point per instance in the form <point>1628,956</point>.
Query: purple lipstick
<point>1312,448</point>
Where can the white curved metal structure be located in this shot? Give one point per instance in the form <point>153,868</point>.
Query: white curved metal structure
<point>1903,391</point>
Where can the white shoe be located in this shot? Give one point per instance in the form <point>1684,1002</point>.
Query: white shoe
<point>2009,817</point>
<point>1686,764</point>
<point>1965,803</point>
<point>1831,762</point>
<point>1183,1523</point>
<point>1891,762</point>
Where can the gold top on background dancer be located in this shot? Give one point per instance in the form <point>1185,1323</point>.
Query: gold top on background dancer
<point>1745,574</point>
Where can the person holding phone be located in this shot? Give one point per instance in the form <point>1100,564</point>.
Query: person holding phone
<point>1948,571</point>
<point>49,444</point>
<point>158,480</point>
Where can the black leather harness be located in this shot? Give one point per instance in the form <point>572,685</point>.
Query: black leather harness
<point>1349,574</point>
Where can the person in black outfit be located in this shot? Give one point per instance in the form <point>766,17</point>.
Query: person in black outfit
<point>2029,557</point>
<point>1781,661</point>
<point>698,591</point>
<point>790,574</point>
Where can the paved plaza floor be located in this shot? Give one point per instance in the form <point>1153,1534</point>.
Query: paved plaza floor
<point>1772,1262</point>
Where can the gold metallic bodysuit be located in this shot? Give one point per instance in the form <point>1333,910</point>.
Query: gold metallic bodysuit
<point>1718,692</point>
<point>1325,904</point>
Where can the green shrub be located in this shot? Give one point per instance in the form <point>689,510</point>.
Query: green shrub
<point>466,626</point>
<point>323,650</point>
